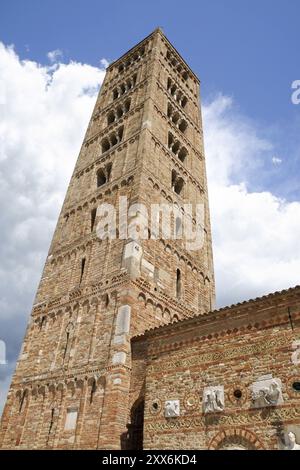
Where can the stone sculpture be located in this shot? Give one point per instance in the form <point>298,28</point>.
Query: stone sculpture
<point>266,392</point>
<point>292,444</point>
<point>213,399</point>
<point>172,408</point>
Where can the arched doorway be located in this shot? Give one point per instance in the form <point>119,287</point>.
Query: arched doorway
<point>135,428</point>
<point>236,439</point>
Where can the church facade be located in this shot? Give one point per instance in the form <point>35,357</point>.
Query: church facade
<point>124,349</point>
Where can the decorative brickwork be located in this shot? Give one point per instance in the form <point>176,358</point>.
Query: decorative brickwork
<point>233,348</point>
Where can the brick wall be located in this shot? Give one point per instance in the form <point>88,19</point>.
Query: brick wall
<point>233,348</point>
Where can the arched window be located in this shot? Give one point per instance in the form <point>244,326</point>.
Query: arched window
<point>178,187</point>
<point>111,117</point>
<point>185,75</point>
<point>177,182</point>
<point>103,175</point>
<point>120,133</point>
<point>183,101</point>
<point>105,145</point>
<point>127,106</point>
<point>101,178</point>
<point>119,112</point>
<point>113,140</point>
<point>182,126</point>
<point>175,147</point>
<point>170,140</point>
<point>175,117</point>
<point>115,94</point>
<point>182,154</point>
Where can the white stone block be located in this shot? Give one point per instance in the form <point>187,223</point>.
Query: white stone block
<point>133,250</point>
<point>119,358</point>
<point>123,320</point>
<point>172,408</point>
<point>71,419</point>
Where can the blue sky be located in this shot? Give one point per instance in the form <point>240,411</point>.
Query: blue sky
<point>247,49</point>
<point>246,55</point>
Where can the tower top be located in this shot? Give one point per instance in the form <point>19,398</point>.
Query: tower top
<point>156,31</point>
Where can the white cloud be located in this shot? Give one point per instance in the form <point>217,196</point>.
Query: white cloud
<point>255,234</point>
<point>104,63</point>
<point>4,387</point>
<point>55,55</point>
<point>44,112</point>
<point>276,160</point>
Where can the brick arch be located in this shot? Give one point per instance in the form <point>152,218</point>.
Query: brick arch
<point>242,437</point>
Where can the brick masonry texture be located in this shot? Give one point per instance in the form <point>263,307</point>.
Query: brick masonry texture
<point>232,347</point>
<point>119,327</point>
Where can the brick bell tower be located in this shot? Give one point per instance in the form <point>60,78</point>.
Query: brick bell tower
<point>144,144</point>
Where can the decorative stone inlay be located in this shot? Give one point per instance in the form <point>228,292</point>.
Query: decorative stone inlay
<point>266,391</point>
<point>258,347</point>
<point>243,418</point>
<point>172,408</point>
<point>191,401</point>
<point>213,399</point>
<point>291,390</point>
<point>155,406</point>
<point>236,398</point>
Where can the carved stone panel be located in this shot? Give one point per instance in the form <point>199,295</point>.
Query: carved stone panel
<point>266,391</point>
<point>172,408</point>
<point>213,399</point>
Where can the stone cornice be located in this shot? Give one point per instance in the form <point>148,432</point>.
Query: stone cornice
<point>80,293</point>
<point>247,312</point>
<point>161,297</point>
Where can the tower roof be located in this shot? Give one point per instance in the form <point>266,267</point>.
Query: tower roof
<point>157,30</point>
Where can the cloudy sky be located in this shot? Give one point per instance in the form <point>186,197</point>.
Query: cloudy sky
<point>49,79</point>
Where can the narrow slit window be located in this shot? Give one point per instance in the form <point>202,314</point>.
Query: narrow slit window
<point>22,399</point>
<point>82,269</point>
<point>93,391</point>
<point>51,421</point>
<point>178,283</point>
<point>93,218</point>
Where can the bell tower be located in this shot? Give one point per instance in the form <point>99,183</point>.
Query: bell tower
<point>131,251</point>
